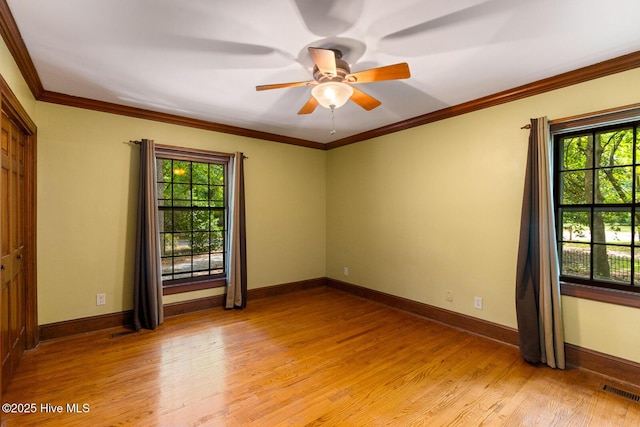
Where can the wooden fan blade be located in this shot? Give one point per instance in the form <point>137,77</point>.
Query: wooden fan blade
<point>309,106</point>
<point>367,102</point>
<point>281,85</point>
<point>390,72</point>
<point>325,59</point>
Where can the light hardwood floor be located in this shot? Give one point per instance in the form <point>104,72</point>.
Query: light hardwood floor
<point>309,358</point>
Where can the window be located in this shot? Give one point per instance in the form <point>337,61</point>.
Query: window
<point>597,200</point>
<point>192,214</point>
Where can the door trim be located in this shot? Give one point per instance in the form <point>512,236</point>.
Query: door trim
<point>10,104</point>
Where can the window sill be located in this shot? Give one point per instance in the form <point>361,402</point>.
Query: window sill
<point>179,288</point>
<point>611,296</point>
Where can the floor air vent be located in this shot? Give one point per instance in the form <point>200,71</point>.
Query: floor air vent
<point>625,394</point>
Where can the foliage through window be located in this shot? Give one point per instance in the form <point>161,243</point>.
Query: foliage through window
<point>597,199</point>
<point>192,202</point>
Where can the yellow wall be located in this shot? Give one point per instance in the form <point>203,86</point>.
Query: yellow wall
<point>87,175</point>
<point>437,208</point>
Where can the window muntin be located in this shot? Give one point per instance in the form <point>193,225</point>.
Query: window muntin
<point>192,203</point>
<point>597,199</point>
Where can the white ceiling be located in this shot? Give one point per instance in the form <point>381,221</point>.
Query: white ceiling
<point>203,58</point>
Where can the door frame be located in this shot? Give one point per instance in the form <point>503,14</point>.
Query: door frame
<point>10,104</point>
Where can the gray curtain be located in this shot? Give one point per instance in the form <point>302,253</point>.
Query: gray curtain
<point>237,259</point>
<point>538,309</point>
<point>147,284</point>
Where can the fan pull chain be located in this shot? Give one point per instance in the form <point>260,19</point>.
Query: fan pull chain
<point>333,120</point>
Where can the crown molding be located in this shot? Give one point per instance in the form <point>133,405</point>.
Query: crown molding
<point>581,75</point>
<point>11,35</point>
<point>140,113</point>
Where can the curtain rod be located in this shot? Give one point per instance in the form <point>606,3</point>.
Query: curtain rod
<point>551,122</point>
<point>140,142</point>
<point>528,125</point>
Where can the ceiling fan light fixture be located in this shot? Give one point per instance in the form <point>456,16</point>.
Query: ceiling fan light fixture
<point>332,95</point>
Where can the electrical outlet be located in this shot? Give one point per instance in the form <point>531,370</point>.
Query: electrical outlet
<point>101,299</point>
<point>448,296</point>
<point>346,271</point>
<point>477,303</point>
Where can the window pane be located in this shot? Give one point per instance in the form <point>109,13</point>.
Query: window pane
<point>612,226</point>
<point>216,245</point>
<point>637,170</point>
<point>637,145</point>
<point>200,242</point>
<point>164,220</point>
<point>636,234</point>
<point>200,220</point>
<point>164,194</point>
<point>614,185</point>
<point>167,221</point>
<point>216,195</point>
<point>182,243</point>
<point>574,152</point>
<point>201,263</point>
<point>200,195</point>
<point>216,174</point>
<point>181,265</point>
<point>217,262</point>
<point>167,266</point>
<point>181,220</point>
<point>217,241</point>
<point>576,187</point>
<point>181,171</point>
<point>200,173</point>
<point>163,170</point>
<point>217,220</point>
<point>576,225</point>
<point>182,194</point>
<point>166,244</point>
<point>616,146</point>
<point>612,263</point>
<point>576,259</point>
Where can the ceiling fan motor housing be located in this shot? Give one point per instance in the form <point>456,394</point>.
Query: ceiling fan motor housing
<point>342,70</point>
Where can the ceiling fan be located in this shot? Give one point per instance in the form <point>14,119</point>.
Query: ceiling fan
<point>333,81</point>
